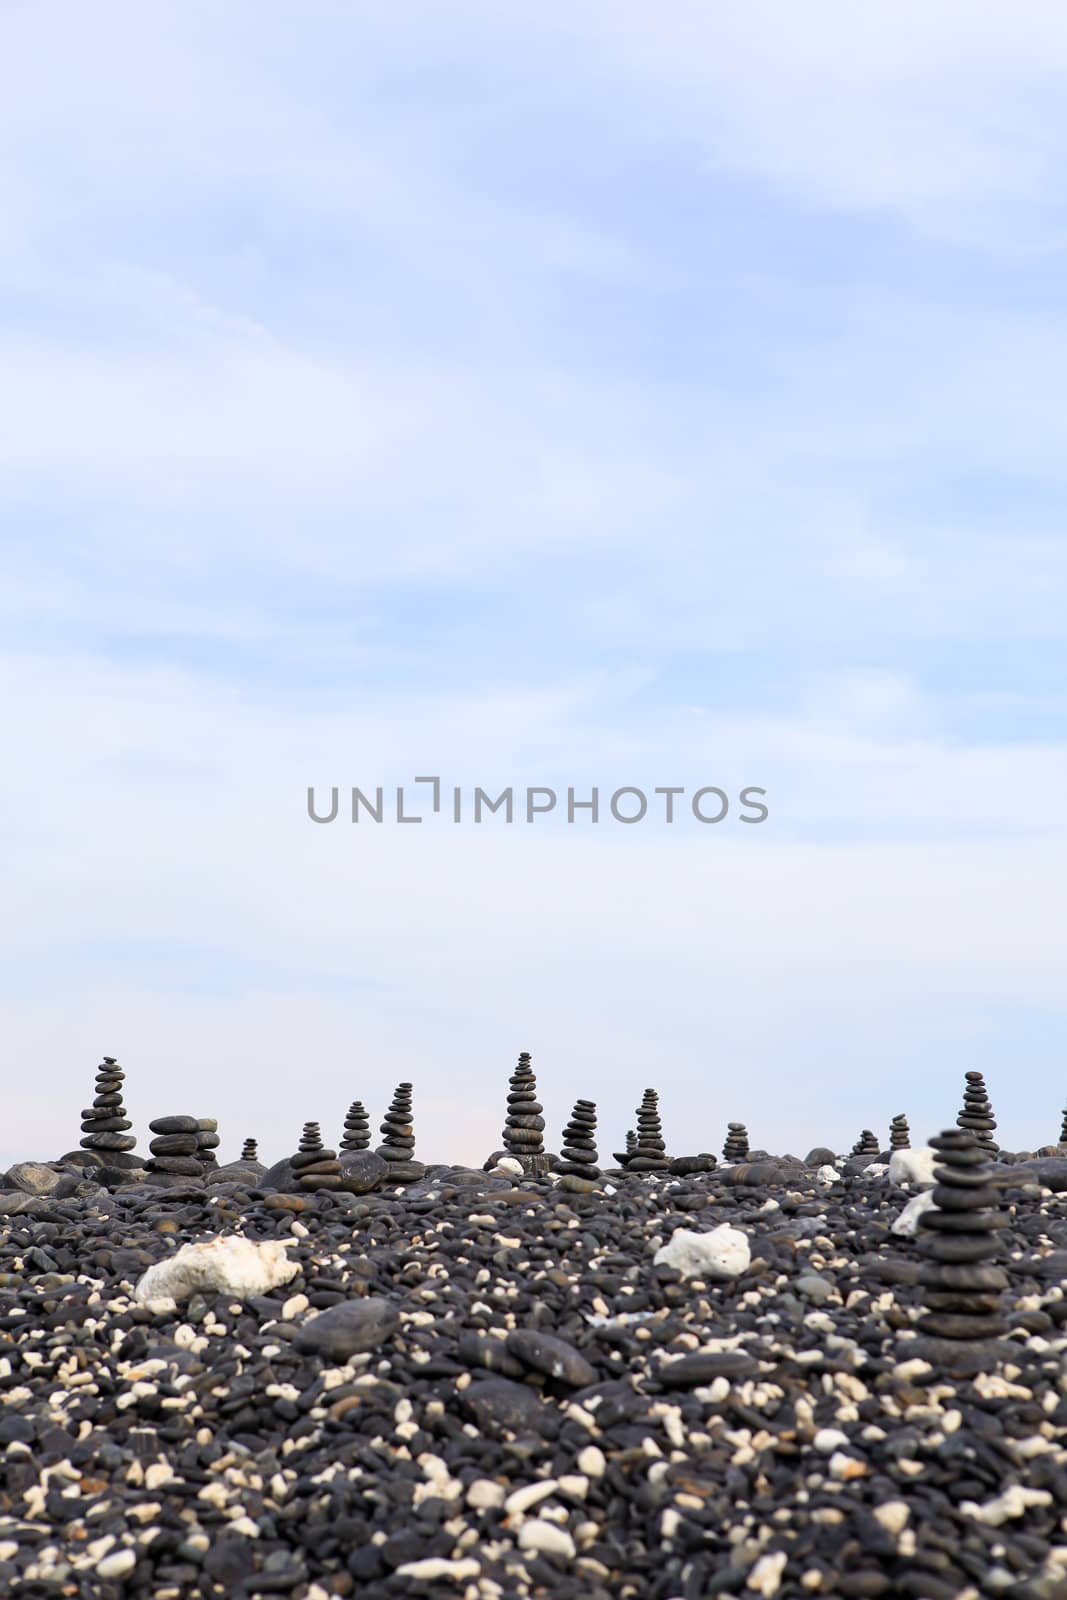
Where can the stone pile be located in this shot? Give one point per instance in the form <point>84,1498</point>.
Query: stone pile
<point>623,1156</point>
<point>735,1147</point>
<point>977,1113</point>
<point>578,1165</point>
<point>899,1133</point>
<point>651,1152</point>
<point>315,1167</point>
<point>105,1125</point>
<point>524,1124</point>
<point>398,1139</point>
<point>1063,1129</point>
<point>356,1134</point>
<point>250,1151</point>
<point>961,1289</point>
<point>175,1149</point>
<point>866,1144</point>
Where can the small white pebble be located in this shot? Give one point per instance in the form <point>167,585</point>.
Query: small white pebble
<point>531,1494</point>
<point>485,1495</point>
<point>546,1538</point>
<point>893,1515</point>
<point>116,1565</point>
<point>591,1461</point>
<point>766,1576</point>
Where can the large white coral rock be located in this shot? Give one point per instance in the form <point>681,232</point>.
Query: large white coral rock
<point>907,1224</point>
<point>722,1253</point>
<point>224,1265</point>
<point>914,1166</point>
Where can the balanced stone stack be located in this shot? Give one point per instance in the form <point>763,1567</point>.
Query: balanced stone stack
<point>315,1167</point>
<point>105,1125</point>
<point>579,1164</point>
<point>899,1133</point>
<point>357,1128</point>
<point>623,1157</point>
<point>398,1139</point>
<point>175,1149</point>
<point>977,1114</point>
<point>961,1289</point>
<point>866,1144</point>
<point>1063,1129</point>
<point>207,1140</point>
<point>735,1147</point>
<point>250,1151</point>
<point>651,1153</point>
<point>524,1125</point>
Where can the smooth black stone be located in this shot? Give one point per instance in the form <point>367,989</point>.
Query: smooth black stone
<point>555,1358</point>
<point>497,1405</point>
<point>309,1158</point>
<point>481,1350</point>
<point>182,1166</point>
<point>174,1144</point>
<point>362,1170</point>
<point>963,1200</point>
<point>167,1125</point>
<point>946,1325</point>
<point>349,1329</point>
<point>683,1166</point>
<point>963,1221</point>
<point>702,1368</point>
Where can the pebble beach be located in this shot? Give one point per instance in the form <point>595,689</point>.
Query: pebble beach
<point>481,1384</point>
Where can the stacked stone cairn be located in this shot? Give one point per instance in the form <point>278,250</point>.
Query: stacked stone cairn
<point>623,1156</point>
<point>250,1152</point>
<point>961,1289</point>
<point>735,1147</point>
<point>1063,1129</point>
<point>579,1158</point>
<point>357,1128</point>
<point>651,1153</point>
<point>105,1125</point>
<point>315,1167</point>
<point>899,1133</point>
<point>175,1149</point>
<point>207,1139</point>
<point>866,1144</point>
<point>977,1114</point>
<point>398,1139</point>
<point>523,1134</point>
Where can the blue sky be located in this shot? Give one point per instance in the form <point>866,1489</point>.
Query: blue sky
<point>537,394</point>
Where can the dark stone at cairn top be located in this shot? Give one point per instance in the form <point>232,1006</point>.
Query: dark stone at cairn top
<point>961,1291</point>
<point>524,1126</point>
<point>866,1144</point>
<point>899,1133</point>
<point>250,1151</point>
<point>579,1157</point>
<point>651,1152</point>
<point>735,1147</point>
<point>105,1125</point>
<point>398,1139</point>
<point>313,1166</point>
<point>356,1134</point>
<point>175,1149</point>
<point>977,1114</point>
